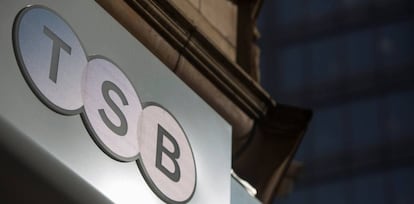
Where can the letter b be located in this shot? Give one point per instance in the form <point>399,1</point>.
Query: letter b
<point>166,159</point>
<point>172,155</point>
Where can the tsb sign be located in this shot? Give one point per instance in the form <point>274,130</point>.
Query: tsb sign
<point>57,69</point>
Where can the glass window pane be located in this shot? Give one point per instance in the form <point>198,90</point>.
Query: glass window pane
<point>369,189</point>
<point>397,44</point>
<point>287,12</point>
<point>403,185</point>
<point>364,122</point>
<point>325,64</point>
<point>401,115</point>
<point>334,192</point>
<point>292,68</point>
<point>300,196</point>
<point>361,47</point>
<point>328,137</point>
<point>318,8</point>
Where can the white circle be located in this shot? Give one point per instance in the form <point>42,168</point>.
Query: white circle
<point>39,34</point>
<point>120,147</point>
<point>170,191</point>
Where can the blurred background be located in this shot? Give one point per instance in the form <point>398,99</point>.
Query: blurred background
<point>352,62</point>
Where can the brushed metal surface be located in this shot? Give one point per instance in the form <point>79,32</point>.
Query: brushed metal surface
<point>66,139</point>
<point>239,195</point>
<point>45,172</point>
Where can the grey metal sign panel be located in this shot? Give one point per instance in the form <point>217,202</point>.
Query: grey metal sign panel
<point>239,194</point>
<point>55,125</point>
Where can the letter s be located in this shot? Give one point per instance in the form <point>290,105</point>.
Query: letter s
<point>122,129</point>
